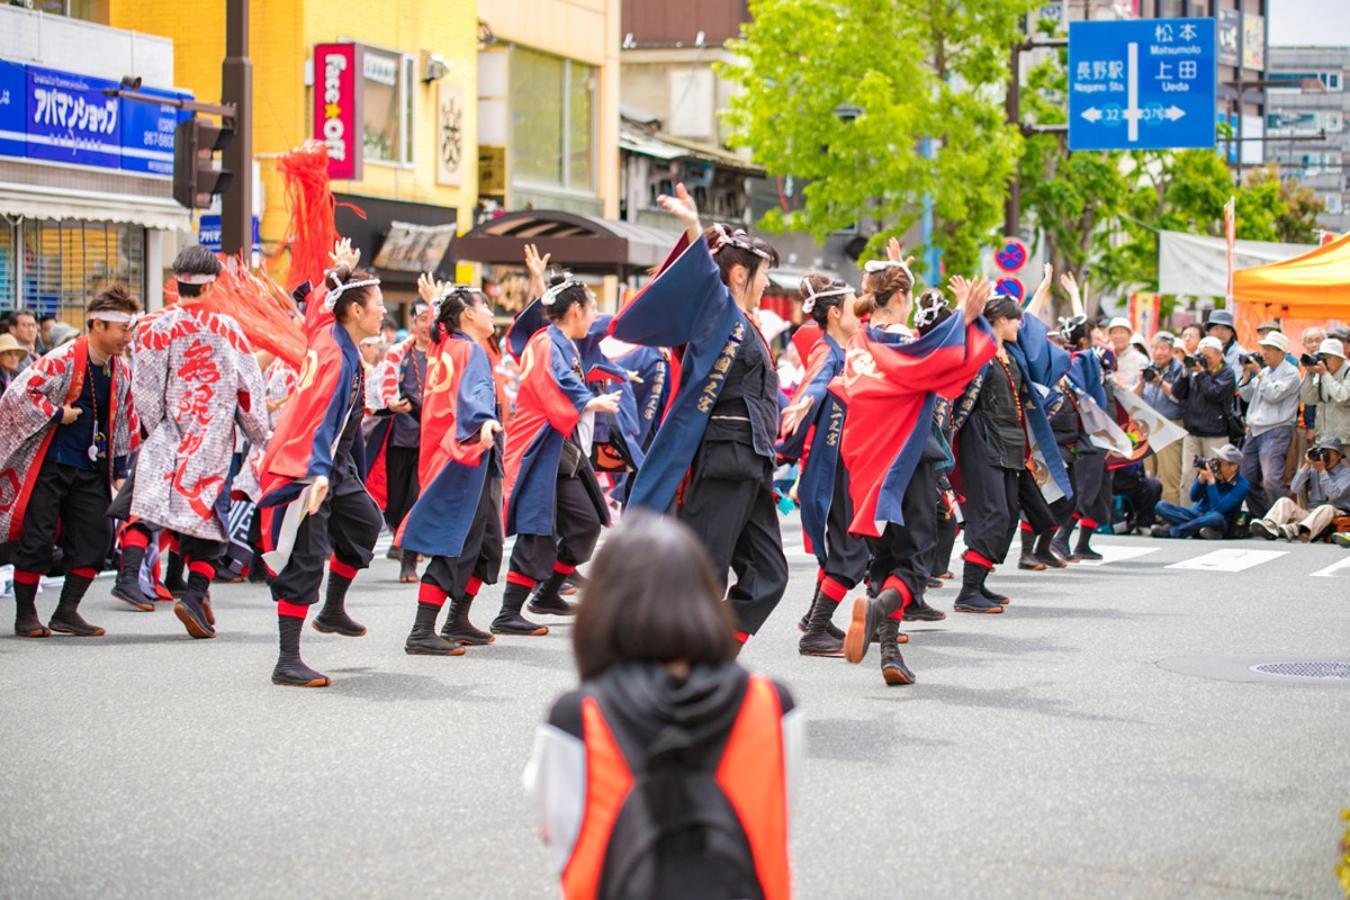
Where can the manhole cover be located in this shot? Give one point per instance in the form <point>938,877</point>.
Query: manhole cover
<point>1318,670</point>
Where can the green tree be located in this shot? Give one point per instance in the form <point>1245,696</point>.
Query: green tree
<point>842,94</point>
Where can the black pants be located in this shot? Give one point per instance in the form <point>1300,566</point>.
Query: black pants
<point>736,518</point>
<point>845,554</point>
<point>907,551</point>
<point>1091,485</point>
<point>1142,492</point>
<point>576,528</point>
<point>947,527</point>
<point>481,556</point>
<point>400,470</point>
<point>195,549</point>
<point>346,525</point>
<point>1029,497</point>
<point>991,506</point>
<point>77,499</point>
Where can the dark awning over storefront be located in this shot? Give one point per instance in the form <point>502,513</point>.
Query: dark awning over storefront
<point>412,226</point>
<point>582,244</point>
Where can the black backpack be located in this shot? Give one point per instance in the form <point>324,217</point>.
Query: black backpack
<point>677,836</point>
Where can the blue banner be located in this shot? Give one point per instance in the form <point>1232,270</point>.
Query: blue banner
<point>66,118</point>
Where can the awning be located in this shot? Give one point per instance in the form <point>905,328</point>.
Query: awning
<point>583,244</point>
<point>1197,266</point>
<point>46,202</point>
<point>1312,287</point>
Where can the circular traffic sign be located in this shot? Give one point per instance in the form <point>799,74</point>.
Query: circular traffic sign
<point>1012,256</point>
<point>1011,287</point>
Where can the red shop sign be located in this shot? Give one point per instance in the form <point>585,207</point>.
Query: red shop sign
<point>338,120</point>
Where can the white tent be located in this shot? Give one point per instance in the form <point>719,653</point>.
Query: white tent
<point>1197,266</point>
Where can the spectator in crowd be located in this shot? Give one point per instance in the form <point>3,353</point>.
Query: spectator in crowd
<point>1325,478</point>
<point>1129,361</point>
<point>11,359</point>
<point>1206,396</point>
<point>1327,386</point>
<point>1305,430</point>
<point>24,327</point>
<point>1271,389</point>
<point>1155,387</point>
<point>1190,340</point>
<point>389,332</point>
<point>790,369</point>
<point>1141,494</point>
<point>1220,325</point>
<point>45,323</point>
<point>709,749</point>
<point>1216,494</point>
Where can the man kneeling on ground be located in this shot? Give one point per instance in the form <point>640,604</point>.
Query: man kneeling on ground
<point>1218,493</point>
<point>1326,478</point>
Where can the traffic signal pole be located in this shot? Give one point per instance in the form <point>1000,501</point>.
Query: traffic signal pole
<point>236,81</point>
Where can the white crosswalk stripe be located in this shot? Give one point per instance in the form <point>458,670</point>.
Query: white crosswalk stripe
<point>1234,559</point>
<point>1331,570</point>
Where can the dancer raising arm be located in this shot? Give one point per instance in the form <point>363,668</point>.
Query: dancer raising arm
<point>717,439</point>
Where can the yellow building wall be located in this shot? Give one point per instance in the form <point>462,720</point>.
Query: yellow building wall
<point>282,34</point>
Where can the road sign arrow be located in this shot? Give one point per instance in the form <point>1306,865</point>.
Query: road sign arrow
<point>1092,114</point>
<point>1174,112</point>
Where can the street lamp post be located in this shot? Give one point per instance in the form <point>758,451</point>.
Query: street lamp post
<point>236,82</point>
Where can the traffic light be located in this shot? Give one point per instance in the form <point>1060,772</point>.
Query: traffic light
<point>196,177</point>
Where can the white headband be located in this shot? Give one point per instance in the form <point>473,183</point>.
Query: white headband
<point>193,278</point>
<point>452,289</point>
<point>112,316</point>
<point>551,295</point>
<point>738,239</point>
<point>881,265</point>
<point>809,304</point>
<point>927,315</point>
<point>331,300</point>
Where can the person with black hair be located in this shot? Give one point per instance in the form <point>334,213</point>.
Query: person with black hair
<point>314,506</point>
<point>196,382</point>
<point>457,519</point>
<point>701,754</point>
<point>552,500</point>
<point>393,445</point>
<point>712,460</point>
<point>67,429</point>
<point>812,427</point>
<point>892,444</point>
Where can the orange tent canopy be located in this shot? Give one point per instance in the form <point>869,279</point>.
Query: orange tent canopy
<point>1313,288</point>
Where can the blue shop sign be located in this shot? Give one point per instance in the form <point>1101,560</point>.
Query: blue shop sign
<point>66,118</point>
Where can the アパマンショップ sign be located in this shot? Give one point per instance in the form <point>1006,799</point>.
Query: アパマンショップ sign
<point>337,107</point>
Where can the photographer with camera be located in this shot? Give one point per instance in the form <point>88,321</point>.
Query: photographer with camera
<point>1155,387</point>
<point>1220,326</point>
<point>1326,479</point>
<point>1206,396</point>
<point>1270,385</point>
<point>1327,386</point>
<point>1217,494</point>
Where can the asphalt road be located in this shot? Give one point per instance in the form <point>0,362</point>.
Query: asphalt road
<point>1105,737</point>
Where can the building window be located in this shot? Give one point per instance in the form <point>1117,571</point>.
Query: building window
<point>389,86</point>
<point>64,263</point>
<point>552,120</point>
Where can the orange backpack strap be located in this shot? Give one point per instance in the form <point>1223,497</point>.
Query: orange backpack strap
<point>753,775</point>
<point>608,782</point>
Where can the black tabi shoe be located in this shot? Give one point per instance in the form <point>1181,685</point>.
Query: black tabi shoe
<point>1084,549</point>
<point>509,620</point>
<point>294,673</point>
<point>893,668</point>
<point>407,570</point>
<point>542,604</point>
<point>933,584</point>
<point>572,585</point>
<point>191,611</point>
<point>26,621</point>
<point>328,622</point>
<point>864,621</point>
<point>972,599</point>
<point>1060,542</point>
<point>989,593</point>
<point>394,552</point>
<point>127,587</point>
<point>70,622</point>
<point>1045,552</point>
<point>816,639</point>
<point>920,611</point>
<point>459,630</point>
<point>1028,560</point>
<point>426,642</point>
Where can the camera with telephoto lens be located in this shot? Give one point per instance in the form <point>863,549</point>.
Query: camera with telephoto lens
<point>1150,374</point>
<point>1313,359</point>
<point>1319,454</point>
<point>1212,464</point>
<point>1191,362</point>
<point>1253,359</point>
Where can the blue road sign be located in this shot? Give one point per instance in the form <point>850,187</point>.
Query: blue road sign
<point>1147,84</point>
<point>208,233</point>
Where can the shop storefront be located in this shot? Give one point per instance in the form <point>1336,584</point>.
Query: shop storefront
<point>400,241</point>
<point>85,178</point>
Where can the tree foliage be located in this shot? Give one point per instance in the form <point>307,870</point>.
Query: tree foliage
<point>842,93</point>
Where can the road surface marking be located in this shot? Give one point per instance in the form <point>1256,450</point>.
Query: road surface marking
<point>1332,569</point>
<point>1234,560</point>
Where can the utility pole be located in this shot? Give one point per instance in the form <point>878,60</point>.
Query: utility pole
<point>236,82</point>
<point>1012,208</point>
